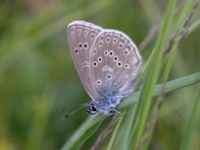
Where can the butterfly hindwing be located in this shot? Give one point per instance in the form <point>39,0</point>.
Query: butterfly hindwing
<point>115,62</point>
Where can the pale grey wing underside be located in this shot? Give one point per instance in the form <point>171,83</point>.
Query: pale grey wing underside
<point>115,62</point>
<point>81,36</point>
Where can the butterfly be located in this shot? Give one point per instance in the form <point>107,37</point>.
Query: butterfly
<point>107,62</point>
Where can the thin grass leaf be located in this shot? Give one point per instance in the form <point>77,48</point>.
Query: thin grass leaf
<point>167,68</point>
<point>191,123</point>
<point>85,137</point>
<point>40,121</point>
<point>120,141</point>
<point>86,130</point>
<point>179,28</point>
<point>152,76</point>
<point>114,135</point>
<point>127,128</point>
<point>193,27</point>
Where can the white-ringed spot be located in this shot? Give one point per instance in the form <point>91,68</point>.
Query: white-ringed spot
<point>100,43</point>
<point>85,32</point>
<point>114,40</point>
<point>94,51</point>
<point>119,64</point>
<point>115,58</point>
<point>85,45</point>
<point>121,45</point>
<point>106,53</point>
<point>79,31</point>
<point>76,50</point>
<point>92,35</point>
<point>109,77</point>
<point>126,66</point>
<point>94,64</point>
<point>108,39</point>
<point>100,59</point>
<point>111,53</point>
<point>126,51</point>
<point>98,82</point>
<point>80,45</point>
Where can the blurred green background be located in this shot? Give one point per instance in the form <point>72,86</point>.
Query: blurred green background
<point>37,76</point>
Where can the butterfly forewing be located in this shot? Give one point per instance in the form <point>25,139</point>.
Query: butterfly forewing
<point>115,62</point>
<point>81,36</point>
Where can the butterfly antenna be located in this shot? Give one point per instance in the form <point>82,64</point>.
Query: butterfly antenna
<point>81,106</point>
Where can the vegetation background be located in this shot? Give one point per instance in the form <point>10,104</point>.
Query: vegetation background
<point>37,76</point>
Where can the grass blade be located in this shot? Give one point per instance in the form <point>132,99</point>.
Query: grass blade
<point>83,133</point>
<point>191,123</point>
<point>152,76</point>
<point>113,137</point>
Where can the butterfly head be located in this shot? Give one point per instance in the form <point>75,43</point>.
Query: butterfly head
<point>94,108</point>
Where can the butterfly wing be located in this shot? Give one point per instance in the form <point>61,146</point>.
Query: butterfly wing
<point>115,63</point>
<point>81,36</point>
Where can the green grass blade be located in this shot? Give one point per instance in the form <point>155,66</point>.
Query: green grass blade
<point>152,76</point>
<point>83,133</point>
<point>169,87</point>
<point>169,60</point>
<point>113,137</point>
<point>191,123</point>
<point>181,21</point>
<point>193,27</point>
<point>39,124</point>
<point>128,128</point>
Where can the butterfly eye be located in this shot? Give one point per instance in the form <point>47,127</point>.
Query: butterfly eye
<point>93,108</point>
